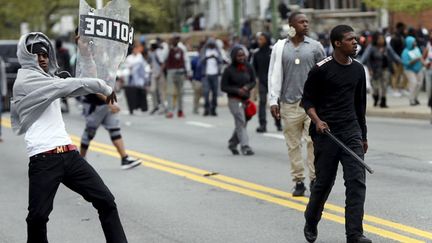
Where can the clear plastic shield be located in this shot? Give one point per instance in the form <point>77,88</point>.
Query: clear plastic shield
<point>104,37</point>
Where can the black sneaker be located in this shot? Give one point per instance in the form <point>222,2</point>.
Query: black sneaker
<point>154,110</point>
<point>129,162</point>
<point>246,150</point>
<point>299,189</point>
<point>312,183</point>
<point>310,232</point>
<point>261,129</point>
<point>213,113</point>
<point>361,239</point>
<point>233,149</point>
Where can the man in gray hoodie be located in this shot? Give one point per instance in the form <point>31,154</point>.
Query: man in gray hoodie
<point>36,112</point>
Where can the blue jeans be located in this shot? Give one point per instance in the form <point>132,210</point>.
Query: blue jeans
<point>210,84</point>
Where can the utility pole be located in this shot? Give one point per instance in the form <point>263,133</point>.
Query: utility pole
<point>274,19</point>
<point>236,10</point>
<point>99,4</point>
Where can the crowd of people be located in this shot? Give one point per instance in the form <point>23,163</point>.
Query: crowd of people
<point>302,80</point>
<point>399,62</point>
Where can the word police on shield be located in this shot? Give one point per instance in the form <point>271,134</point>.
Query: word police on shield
<point>112,29</point>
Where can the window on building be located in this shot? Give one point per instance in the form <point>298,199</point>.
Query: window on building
<point>330,4</point>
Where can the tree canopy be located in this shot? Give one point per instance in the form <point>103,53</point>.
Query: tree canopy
<point>41,15</point>
<point>412,6</point>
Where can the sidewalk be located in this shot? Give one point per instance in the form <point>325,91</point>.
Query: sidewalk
<point>399,108</point>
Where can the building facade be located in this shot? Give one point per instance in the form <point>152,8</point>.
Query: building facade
<point>324,14</point>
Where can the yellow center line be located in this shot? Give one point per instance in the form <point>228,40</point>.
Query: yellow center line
<point>276,192</point>
<point>253,190</point>
<point>262,196</point>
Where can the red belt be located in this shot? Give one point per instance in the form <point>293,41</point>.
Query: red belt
<point>61,149</point>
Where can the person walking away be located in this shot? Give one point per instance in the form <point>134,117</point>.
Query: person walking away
<point>139,77</point>
<point>63,60</point>
<point>36,112</point>
<point>334,97</point>
<point>238,80</point>
<point>377,59</point>
<point>157,78</point>
<point>260,63</point>
<point>197,76</point>
<point>291,60</point>
<point>3,91</point>
<point>397,43</point>
<point>211,62</point>
<point>412,60</point>
<point>178,68</point>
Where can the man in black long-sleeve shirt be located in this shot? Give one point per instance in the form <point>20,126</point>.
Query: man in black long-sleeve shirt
<point>334,97</point>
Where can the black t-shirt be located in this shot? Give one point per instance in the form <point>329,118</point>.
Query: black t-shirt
<point>93,99</point>
<point>338,93</point>
<point>261,61</point>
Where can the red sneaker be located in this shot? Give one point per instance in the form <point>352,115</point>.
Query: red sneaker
<point>180,114</point>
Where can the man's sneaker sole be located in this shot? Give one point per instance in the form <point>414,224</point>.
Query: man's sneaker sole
<point>131,165</point>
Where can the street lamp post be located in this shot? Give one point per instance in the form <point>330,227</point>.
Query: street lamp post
<point>99,4</point>
<point>236,9</point>
<point>274,26</point>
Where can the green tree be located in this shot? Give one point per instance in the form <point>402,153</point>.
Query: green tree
<point>154,15</point>
<point>412,6</point>
<point>41,15</point>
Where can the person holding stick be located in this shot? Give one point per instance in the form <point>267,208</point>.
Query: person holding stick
<point>334,97</point>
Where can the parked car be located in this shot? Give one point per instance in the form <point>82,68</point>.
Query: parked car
<point>8,51</point>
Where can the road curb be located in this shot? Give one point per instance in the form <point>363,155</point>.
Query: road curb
<point>398,114</point>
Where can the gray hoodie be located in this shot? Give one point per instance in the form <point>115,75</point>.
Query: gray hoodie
<point>34,90</point>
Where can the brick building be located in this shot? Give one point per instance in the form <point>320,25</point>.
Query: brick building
<point>423,19</point>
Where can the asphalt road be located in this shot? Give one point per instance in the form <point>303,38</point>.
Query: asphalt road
<point>191,189</point>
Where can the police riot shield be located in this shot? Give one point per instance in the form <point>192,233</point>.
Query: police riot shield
<point>104,37</point>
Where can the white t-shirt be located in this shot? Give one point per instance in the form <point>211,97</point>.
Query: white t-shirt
<point>47,132</point>
<point>212,64</point>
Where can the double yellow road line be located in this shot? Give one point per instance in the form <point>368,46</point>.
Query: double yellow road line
<point>333,213</point>
<point>374,225</point>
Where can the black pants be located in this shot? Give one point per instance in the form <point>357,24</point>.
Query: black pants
<point>136,98</point>
<point>46,172</point>
<point>262,108</point>
<point>327,157</point>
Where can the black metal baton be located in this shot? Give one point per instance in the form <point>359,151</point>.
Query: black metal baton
<point>348,150</point>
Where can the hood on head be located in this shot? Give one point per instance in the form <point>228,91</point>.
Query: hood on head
<point>234,52</point>
<point>210,41</point>
<point>409,42</point>
<point>29,60</point>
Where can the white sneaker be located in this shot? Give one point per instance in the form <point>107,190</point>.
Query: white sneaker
<point>396,94</point>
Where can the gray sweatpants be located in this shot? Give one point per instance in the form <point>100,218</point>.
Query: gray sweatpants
<point>237,109</point>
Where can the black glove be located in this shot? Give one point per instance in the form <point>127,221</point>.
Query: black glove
<point>63,74</point>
